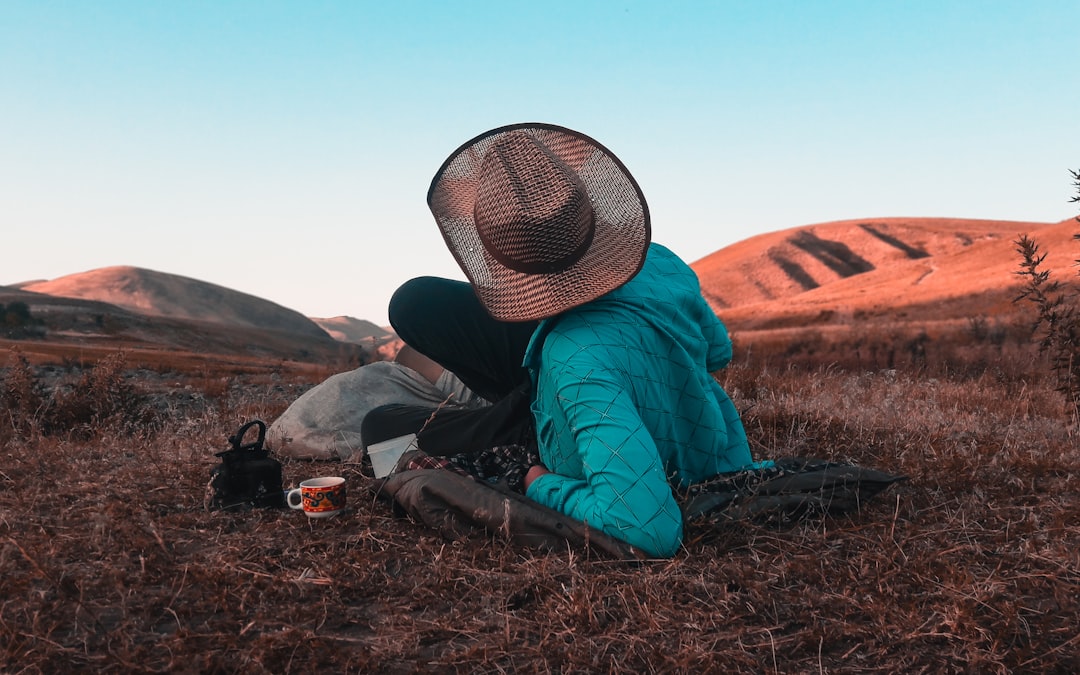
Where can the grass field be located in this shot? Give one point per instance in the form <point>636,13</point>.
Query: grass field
<point>111,563</point>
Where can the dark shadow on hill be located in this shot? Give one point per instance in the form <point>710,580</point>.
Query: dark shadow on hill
<point>715,301</point>
<point>833,254</point>
<point>794,271</point>
<point>910,251</point>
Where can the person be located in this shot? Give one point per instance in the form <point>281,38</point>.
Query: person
<point>593,344</point>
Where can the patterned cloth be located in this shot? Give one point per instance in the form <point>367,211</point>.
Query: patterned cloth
<point>626,406</point>
<point>506,464</point>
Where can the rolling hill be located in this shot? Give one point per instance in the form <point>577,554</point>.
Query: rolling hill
<point>138,308</point>
<point>350,329</point>
<point>161,294</point>
<point>845,274</point>
<point>888,269</point>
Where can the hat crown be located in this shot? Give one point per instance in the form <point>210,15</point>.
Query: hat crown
<point>532,212</point>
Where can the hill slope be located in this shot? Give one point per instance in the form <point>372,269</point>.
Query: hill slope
<point>350,329</point>
<point>246,326</point>
<point>845,273</point>
<point>897,268</point>
<point>161,294</point>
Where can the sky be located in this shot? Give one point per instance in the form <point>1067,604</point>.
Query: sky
<point>285,149</point>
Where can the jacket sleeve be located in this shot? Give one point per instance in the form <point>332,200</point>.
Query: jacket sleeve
<point>717,339</point>
<point>624,492</point>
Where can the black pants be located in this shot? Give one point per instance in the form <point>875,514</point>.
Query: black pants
<point>443,320</point>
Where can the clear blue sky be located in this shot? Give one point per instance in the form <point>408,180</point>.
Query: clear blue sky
<point>284,149</point>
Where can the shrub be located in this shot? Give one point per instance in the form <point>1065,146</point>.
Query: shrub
<point>22,397</point>
<point>1058,318</point>
<point>102,399</point>
<point>17,322</point>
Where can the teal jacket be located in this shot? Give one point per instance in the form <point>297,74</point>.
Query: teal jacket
<point>626,406</point>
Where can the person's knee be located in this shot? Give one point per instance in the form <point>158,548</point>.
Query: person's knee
<point>407,305</point>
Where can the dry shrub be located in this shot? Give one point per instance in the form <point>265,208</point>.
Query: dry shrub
<point>1057,314</point>
<point>103,398</point>
<point>1057,319</point>
<point>22,398</point>
<point>112,565</point>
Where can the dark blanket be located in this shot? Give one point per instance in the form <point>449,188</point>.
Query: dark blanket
<point>456,506</point>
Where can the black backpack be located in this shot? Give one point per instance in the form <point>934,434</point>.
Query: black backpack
<point>247,476</point>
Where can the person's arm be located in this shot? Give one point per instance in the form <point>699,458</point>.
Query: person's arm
<point>410,358</point>
<point>625,492</point>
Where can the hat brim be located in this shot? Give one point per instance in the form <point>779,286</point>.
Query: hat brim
<point>619,244</point>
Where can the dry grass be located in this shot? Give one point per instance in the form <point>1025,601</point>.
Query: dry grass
<point>112,565</point>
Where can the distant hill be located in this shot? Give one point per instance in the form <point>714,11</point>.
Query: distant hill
<point>349,329</point>
<point>129,306</point>
<point>888,269</point>
<point>161,294</point>
<point>846,274</point>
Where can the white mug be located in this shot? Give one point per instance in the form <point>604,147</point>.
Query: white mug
<point>319,497</point>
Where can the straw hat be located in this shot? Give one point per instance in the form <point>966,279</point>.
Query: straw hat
<point>540,218</point>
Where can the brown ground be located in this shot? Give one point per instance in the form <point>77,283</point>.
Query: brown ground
<point>111,563</point>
